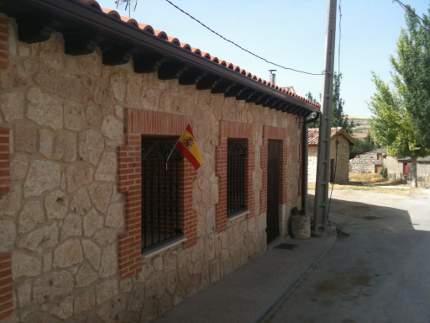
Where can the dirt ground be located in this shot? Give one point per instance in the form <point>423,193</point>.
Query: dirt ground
<point>371,183</point>
<point>378,270</point>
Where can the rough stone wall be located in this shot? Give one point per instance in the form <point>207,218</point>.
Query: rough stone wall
<point>312,163</point>
<point>363,163</point>
<point>395,170</point>
<point>294,165</point>
<point>394,167</point>
<point>342,167</point>
<point>423,174</point>
<point>63,214</point>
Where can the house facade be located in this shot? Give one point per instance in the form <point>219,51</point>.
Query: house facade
<point>398,169</point>
<point>95,224</point>
<point>340,143</point>
<point>370,162</point>
<point>401,169</point>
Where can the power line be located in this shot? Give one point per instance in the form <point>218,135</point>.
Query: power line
<point>239,46</point>
<point>340,36</point>
<point>409,9</point>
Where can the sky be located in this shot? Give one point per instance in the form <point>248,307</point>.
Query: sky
<point>292,33</point>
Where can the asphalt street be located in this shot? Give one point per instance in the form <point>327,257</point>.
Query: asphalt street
<point>379,268</point>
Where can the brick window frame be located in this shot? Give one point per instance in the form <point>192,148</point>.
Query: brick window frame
<point>6,286</point>
<point>4,161</point>
<point>137,124</point>
<point>273,133</point>
<point>4,42</point>
<point>6,283</point>
<point>237,130</point>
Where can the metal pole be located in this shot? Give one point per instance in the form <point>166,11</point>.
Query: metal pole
<point>323,166</point>
<point>304,164</point>
<point>272,76</point>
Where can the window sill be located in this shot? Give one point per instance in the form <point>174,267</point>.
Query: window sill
<point>164,247</point>
<point>238,217</point>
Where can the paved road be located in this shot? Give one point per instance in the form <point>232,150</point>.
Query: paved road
<point>379,273</point>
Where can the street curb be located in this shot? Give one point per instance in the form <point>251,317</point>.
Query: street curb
<point>274,308</point>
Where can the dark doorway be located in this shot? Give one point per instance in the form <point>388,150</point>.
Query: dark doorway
<point>332,171</point>
<point>274,175</point>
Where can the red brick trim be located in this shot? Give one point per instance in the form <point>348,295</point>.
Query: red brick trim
<point>4,161</point>
<point>189,224</point>
<point>238,130</point>
<point>4,42</point>
<point>138,123</point>
<point>6,288</point>
<point>300,158</point>
<point>274,133</point>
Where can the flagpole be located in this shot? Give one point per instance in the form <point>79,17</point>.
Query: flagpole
<point>171,151</point>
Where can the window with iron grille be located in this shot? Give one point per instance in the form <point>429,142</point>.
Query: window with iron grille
<point>236,175</point>
<point>161,191</point>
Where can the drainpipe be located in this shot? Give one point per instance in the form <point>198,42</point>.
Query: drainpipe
<point>308,119</point>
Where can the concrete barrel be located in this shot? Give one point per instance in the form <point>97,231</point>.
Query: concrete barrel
<point>301,226</point>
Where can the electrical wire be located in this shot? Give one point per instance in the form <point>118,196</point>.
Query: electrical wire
<point>239,46</point>
<point>409,9</point>
<point>340,37</point>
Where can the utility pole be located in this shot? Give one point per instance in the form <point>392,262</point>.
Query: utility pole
<point>323,166</point>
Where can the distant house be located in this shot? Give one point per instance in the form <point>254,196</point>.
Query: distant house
<point>397,169</point>
<point>361,128</point>
<point>404,165</point>
<point>370,162</point>
<point>339,154</point>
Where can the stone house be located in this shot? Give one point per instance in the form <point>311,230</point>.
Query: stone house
<point>339,151</point>
<point>93,226</point>
<point>370,162</point>
<point>397,169</point>
<point>400,169</point>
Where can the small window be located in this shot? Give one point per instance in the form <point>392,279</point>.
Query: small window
<point>236,175</point>
<point>161,192</point>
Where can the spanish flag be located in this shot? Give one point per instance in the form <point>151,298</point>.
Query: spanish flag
<point>188,147</point>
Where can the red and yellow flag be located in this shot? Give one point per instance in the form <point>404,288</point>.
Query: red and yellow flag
<point>188,147</point>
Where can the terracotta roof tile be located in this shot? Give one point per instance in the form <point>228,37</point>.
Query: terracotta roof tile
<point>176,42</point>
<point>187,47</point>
<point>313,135</point>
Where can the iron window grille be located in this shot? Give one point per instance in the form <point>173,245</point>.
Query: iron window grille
<point>161,192</point>
<point>237,155</point>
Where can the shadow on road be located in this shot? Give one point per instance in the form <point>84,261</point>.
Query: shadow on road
<point>378,272</point>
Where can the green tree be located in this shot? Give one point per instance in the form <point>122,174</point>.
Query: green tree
<point>338,117</point>
<point>402,112</point>
<point>392,125</point>
<point>362,146</point>
<point>412,73</point>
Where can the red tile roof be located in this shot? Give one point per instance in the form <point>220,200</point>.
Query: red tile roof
<point>148,29</point>
<point>313,135</point>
